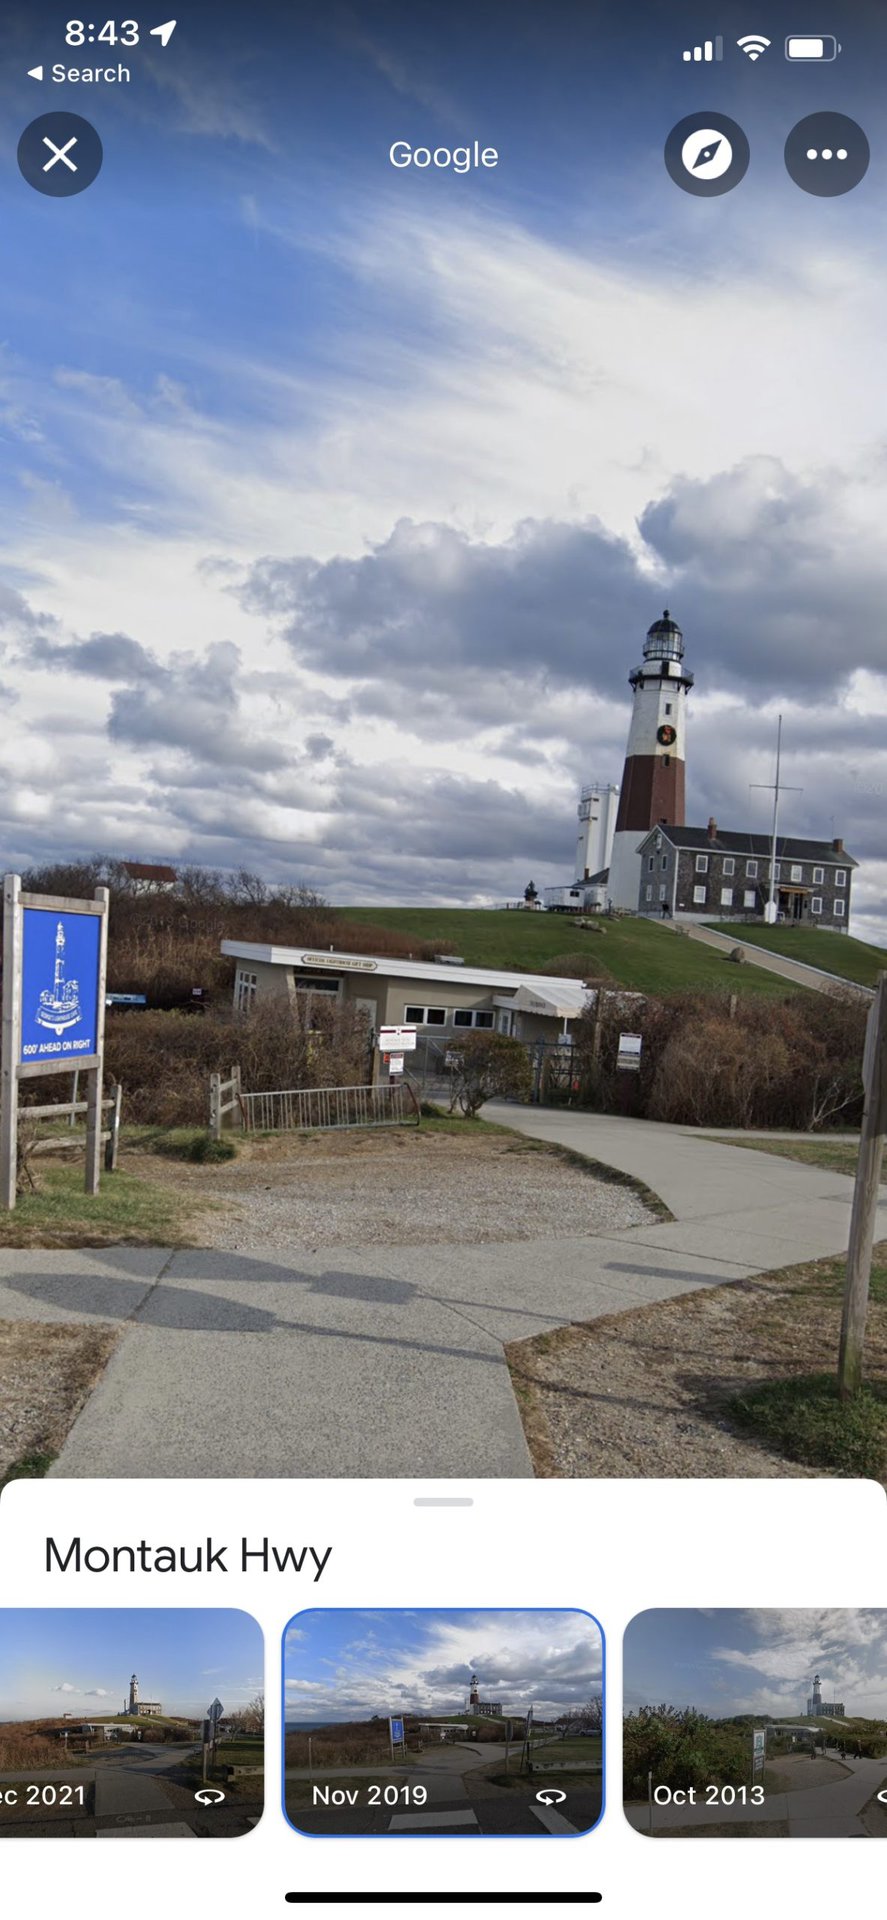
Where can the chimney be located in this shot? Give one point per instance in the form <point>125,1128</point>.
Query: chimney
<point>712,829</point>
<point>838,846</point>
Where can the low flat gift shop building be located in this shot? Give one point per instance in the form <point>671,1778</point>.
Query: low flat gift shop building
<point>435,997</point>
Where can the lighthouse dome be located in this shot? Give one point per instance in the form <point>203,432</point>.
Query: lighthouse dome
<point>665,640</point>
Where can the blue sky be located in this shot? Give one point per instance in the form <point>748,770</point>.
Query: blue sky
<point>348,1664</point>
<point>336,500</point>
<point>80,1661</point>
<point>745,1660</point>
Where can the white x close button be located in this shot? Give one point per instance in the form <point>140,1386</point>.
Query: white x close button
<point>60,154</point>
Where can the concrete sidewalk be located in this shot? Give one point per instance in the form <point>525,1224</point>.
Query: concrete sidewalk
<point>389,1361</point>
<point>759,1210</point>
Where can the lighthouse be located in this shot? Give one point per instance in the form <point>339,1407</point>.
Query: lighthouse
<point>652,791</point>
<point>134,1694</point>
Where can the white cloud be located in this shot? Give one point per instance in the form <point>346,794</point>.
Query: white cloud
<point>506,397</point>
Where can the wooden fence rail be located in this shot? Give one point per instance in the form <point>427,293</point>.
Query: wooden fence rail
<point>70,1109</point>
<point>224,1097</point>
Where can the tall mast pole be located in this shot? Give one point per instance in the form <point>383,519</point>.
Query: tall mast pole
<point>772,909</point>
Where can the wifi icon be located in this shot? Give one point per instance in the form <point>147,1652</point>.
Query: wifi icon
<point>754,44</point>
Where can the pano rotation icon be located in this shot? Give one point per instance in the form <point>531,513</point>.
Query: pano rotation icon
<point>707,154</point>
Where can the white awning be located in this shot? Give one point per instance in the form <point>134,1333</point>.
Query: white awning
<point>560,1001</point>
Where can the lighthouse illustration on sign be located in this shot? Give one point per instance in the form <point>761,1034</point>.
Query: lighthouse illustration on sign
<point>59,1005</point>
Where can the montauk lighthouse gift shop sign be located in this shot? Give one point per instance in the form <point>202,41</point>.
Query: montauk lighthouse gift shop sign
<point>54,961</point>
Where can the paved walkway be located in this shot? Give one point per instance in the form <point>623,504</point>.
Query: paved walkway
<point>390,1362</point>
<point>800,972</point>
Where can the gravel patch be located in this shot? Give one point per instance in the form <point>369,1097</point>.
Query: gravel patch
<point>46,1373</point>
<point>641,1394</point>
<point>399,1190</point>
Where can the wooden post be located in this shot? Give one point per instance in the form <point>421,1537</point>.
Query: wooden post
<point>112,1144</point>
<point>865,1196</point>
<point>11,1036</point>
<point>597,1024</point>
<point>236,1091</point>
<point>215,1105</point>
<point>96,1074</point>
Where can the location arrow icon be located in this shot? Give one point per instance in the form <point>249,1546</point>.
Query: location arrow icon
<point>165,33</point>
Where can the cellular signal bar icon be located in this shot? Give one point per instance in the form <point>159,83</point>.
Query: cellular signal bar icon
<point>710,50</point>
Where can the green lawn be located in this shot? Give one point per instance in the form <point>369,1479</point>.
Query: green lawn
<point>839,1156</point>
<point>639,954</point>
<point>126,1212</point>
<point>834,952</point>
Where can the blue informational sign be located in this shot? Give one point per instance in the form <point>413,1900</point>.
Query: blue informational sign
<point>60,985</point>
<point>396,1732</point>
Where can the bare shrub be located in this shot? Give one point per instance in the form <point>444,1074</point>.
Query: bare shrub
<point>709,1075</point>
<point>347,1746</point>
<point>26,1750</point>
<point>164,1060</point>
<point>577,966</point>
<point>730,1061</point>
<point>489,1065</point>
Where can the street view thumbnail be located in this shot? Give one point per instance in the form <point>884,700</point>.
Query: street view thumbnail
<point>131,1722</point>
<point>745,1722</point>
<point>443,1721</point>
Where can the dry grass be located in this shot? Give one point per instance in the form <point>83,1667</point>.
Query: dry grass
<point>351,1745</point>
<point>47,1372</point>
<point>647,1392</point>
<point>21,1748</point>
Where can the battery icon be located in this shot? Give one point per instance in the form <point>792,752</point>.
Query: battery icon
<point>812,46</point>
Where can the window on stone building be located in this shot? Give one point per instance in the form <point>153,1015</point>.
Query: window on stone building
<point>726,896</point>
<point>839,909</point>
<point>816,903</point>
<point>702,863</point>
<point>699,896</point>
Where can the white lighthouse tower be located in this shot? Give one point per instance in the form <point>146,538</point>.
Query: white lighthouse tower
<point>134,1694</point>
<point>652,792</point>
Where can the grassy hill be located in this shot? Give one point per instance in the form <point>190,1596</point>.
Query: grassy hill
<point>639,954</point>
<point>834,952</point>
